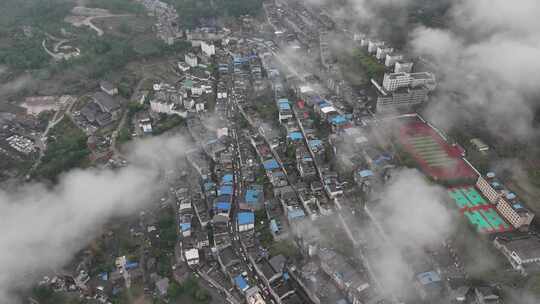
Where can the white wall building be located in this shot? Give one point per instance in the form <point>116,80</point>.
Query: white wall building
<point>184,67</point>
<point>364,42</point>
<point>394,81</point>
<point>391,59</point>
<point>192,256</point>
<point>108,88</point>
<point>507,203</point>
<point>167,107</point>
<point>382,52</point>
<point>373,45</point>
<point>402,97</point>
<point>191,59</point>
<point>403,67</point>
<point>208,48</point>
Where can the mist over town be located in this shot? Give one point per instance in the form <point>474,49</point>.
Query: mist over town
<point>269,151</point>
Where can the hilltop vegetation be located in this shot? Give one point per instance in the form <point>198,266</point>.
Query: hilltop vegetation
<point>191,12</point>
<point>118,6</point>
<point>21,51</point>
<point>43,14</point>
<point>66,149</point>
<point>26,24</point>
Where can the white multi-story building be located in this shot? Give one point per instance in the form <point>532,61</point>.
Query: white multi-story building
<point>394,81</point>
<point>208,48</point>
<point>487,190</point>
<point>507,203</point>
<point>382,52</point>
<point>191,59</point>
<point>514,212</point>
<point>401,97</point>
<point>391,59</point>
<point>167,107</point>
<point>108,88</point>
<point>364,42</point>
<point>358,36</point>
<point>403,66</point>
<point>184,67</point>
<point>373,45</point>
<point>192,256</point>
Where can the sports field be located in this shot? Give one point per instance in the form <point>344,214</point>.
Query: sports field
<point>434,155</point>
<point>478,210</point>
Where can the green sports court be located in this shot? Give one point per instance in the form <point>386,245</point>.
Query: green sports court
<point>480,213</point>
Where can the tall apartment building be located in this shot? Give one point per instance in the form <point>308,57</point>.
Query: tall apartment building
<point>364,42</point>
<point>507,203</point>
<point>382,52</point>
<point>394,81</point>
<point>373,45</point>
<point>391,59</point>
<point>402,97</point>
<point>403,66</point>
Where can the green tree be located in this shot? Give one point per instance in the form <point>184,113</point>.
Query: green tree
<point>66,149</point>
<point>174,291</point>
<point>201,295</point>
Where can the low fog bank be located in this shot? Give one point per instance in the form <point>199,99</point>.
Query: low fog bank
<point>488,65</point>
<point>44,227</point>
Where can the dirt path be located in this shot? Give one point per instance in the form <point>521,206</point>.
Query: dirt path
<point>88,22</point>
<point>83,16</point>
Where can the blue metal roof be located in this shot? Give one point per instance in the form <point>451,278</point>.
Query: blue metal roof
<point>245,218</point>
<point>226,190</point>
<point>429,277</point>
<point>104,276</point>
<point>241,283</point>
<point>131,265</point>
<point>365,173</point>
<point>296,136</point>
<point>284,106</point>
<point>338,120</point>
<point>381,159</point>
<point>227,178</point>
<point>315,143</point>
<point>296,213</point>
<point>285,276</point>
<point>252,196</point>
<point>323,103</point>
<point>223,206</point>
<point>271,164</point>
<point>185,226</point>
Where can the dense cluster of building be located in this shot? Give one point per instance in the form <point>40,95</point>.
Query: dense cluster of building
<point>279,150</point>
<point>21,144</point>
<point>400,89</point>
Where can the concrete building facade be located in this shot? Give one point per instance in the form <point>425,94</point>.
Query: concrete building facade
<point>394,81</point>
